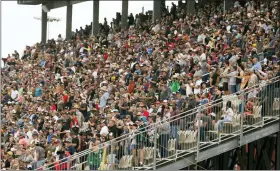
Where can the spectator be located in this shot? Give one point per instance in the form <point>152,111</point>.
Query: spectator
<point>164,134</point>
<point>95,156</point>
<point>39,155</point>
<point>232,80</point>
<point>227,117</point>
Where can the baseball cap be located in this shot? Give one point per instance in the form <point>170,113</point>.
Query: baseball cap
<point>35,133</point>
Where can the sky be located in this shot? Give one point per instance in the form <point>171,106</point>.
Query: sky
<point>19,28</point>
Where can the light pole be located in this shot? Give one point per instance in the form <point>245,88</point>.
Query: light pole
<point>49,20</point>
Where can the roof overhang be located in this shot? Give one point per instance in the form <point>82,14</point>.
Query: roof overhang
<point>29,2</point>
<point>50,4</point>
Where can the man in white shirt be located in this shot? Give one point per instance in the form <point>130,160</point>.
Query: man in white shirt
<point>104,129</point>
<point>59,39</point>
<point>197,84</point>
<point>201,38</point>
<point>189,89</point>
<point>203,57</point>
<point>28,134</point>
<point>14,94</point>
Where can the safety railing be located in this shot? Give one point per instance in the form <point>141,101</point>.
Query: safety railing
<point>190,132</point>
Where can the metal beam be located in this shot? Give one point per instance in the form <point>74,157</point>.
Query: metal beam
<point>124,13</point>
<point>50,4</point>
<point>218,149</point>
<point>59,4</point>
<point>179,164</point>
<point>44,23</point>
<point>215,149</point>
<point>28,2</point>
<point>261,133</point>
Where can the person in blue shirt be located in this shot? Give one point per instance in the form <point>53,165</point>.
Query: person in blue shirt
<point>149,51</point>
<point>43,63</point>
<point>69,147</point>
<point>49,137</point>
<point>138,70</point>
<point>38,91</point>
<point>256,64</point>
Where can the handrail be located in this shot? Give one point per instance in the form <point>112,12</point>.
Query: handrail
<point>171,119</point>
<point>74,158</point>
<point>194,111</point>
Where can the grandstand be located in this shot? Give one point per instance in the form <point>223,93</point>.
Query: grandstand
<point>196,86</point>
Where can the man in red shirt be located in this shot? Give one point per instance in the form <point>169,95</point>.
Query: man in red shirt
<point>22,140</point>
<point>144,111</point>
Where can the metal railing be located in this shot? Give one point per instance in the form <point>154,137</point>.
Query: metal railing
<point>188,132</point>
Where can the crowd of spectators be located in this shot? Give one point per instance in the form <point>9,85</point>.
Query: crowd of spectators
<point>67,96</point>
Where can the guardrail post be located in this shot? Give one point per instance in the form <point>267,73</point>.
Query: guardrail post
<point>68,163</point>
<point>242,117</point>
<point>198,132</point>
<point>112,162</point>
<point>155,149</point>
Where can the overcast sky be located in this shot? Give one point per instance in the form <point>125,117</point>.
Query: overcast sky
<point>19,28</point>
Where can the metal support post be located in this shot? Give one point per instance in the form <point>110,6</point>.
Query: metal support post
<point>216,163</point>
<point>262,152</point>
<point>190,6</point>
<point>242,117</point>
<point>95,19</point>
<point>156,10</point>
<point>44,23</point>
<point>277,151</point>
<point>239,157</point>
<point>242,157</point>
<point>155,149</point>
<point>207,164</point>
<point>124,13</point>
<point>267,153</point>
<point>251,151</point>
<point>233,159</point>
<point>225,161</point>
<point>198,133</point>
<point>228,4</point>
<point>69,21</point>
<point>112,152</point>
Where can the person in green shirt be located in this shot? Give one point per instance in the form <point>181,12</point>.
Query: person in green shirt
<point>95,157</point>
